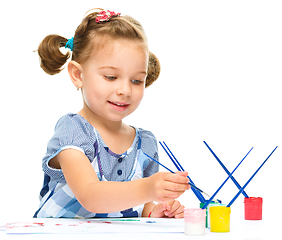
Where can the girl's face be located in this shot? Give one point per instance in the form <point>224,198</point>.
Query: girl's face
<point>113,80</point>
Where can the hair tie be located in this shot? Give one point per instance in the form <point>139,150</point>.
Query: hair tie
<point>69,44</point>
<point>105,16</point>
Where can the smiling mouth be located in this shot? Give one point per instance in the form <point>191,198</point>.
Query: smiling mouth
<point>119,104</point>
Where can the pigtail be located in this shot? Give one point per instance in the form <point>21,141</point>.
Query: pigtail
<point>115,26</point>
<point>52,59</point>
<point>154,69</point>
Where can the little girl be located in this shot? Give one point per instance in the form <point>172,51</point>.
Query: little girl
<point>95,164</point>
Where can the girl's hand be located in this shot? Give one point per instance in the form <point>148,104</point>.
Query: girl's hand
<point>164,187</point>
<point>169,209</point>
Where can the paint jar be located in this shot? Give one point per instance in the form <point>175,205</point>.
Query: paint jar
<point>253,208</point>
<point>201,205</point>
<point>208,212</point>
<point>212,203</point>
<point>195,221</point>
<point>220,218</point>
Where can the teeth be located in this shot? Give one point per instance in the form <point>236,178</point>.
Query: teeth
<point>118,104</point>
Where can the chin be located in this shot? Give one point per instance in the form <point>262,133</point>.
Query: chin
<point>116,118</point>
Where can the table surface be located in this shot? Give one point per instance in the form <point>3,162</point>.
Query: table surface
<point>140,229</point>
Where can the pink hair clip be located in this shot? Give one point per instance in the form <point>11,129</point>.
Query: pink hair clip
<point>106,16</point>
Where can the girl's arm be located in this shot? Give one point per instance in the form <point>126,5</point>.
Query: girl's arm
<point>104,197</point>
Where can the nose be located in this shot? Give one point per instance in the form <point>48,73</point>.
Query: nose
<point>124,88</point>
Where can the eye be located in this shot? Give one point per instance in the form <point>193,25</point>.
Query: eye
<point>111,78</point>
<point>137,82</point>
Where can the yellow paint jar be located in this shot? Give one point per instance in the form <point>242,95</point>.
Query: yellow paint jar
<point>220,219</point>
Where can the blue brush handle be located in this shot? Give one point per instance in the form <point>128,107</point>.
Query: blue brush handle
<point>208,202</point>
<point>226,170</point>
<point>195,190</point>
<point>192,185</point>
<point>229,204</point>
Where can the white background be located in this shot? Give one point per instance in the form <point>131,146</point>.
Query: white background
<point>220,82</point>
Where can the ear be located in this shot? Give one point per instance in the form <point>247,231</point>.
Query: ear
<point>75,72</point>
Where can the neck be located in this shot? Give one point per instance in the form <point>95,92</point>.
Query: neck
<point>100,123</point>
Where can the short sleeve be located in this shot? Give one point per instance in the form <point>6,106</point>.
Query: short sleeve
<point>149,146</point>
<point>71,132</point>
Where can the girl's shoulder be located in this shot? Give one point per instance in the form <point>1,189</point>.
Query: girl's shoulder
<point>72,120</point>
<point>73,128</point>
<point>73,123</point>
<point>72,131</point>
<point>148,141</point>
<point>146,134</point>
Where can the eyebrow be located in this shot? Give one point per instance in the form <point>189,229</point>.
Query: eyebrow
<point>108,67</point>
<point>114,68</point>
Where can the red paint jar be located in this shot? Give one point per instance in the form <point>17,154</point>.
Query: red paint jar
<point>253,208</point>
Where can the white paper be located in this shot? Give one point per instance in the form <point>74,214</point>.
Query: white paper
<point>78,226</point>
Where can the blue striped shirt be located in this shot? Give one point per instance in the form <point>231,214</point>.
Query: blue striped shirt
<point>72,131</point>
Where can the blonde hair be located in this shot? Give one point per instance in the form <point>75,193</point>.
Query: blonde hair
<point>88,36</point>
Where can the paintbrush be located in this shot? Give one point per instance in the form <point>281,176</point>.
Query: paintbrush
<point>208,202</point>
<point>226,170</point>
<point>242,189</point>
<point>191,184</point>
<point>180,168</point>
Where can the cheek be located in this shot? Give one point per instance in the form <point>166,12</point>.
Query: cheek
<point>91,96</point>
<point>93,87</point>
<point>139,96</point>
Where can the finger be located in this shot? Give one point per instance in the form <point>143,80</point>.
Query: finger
<point>183,174</point>
<point>178,213</point>
<point>173,205</point>
<point>176,178</point>
<point>176,208</point>
<point>158,210</point>
<point>172,194</point>
<point>165,199</point>
<point>172,186</point>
